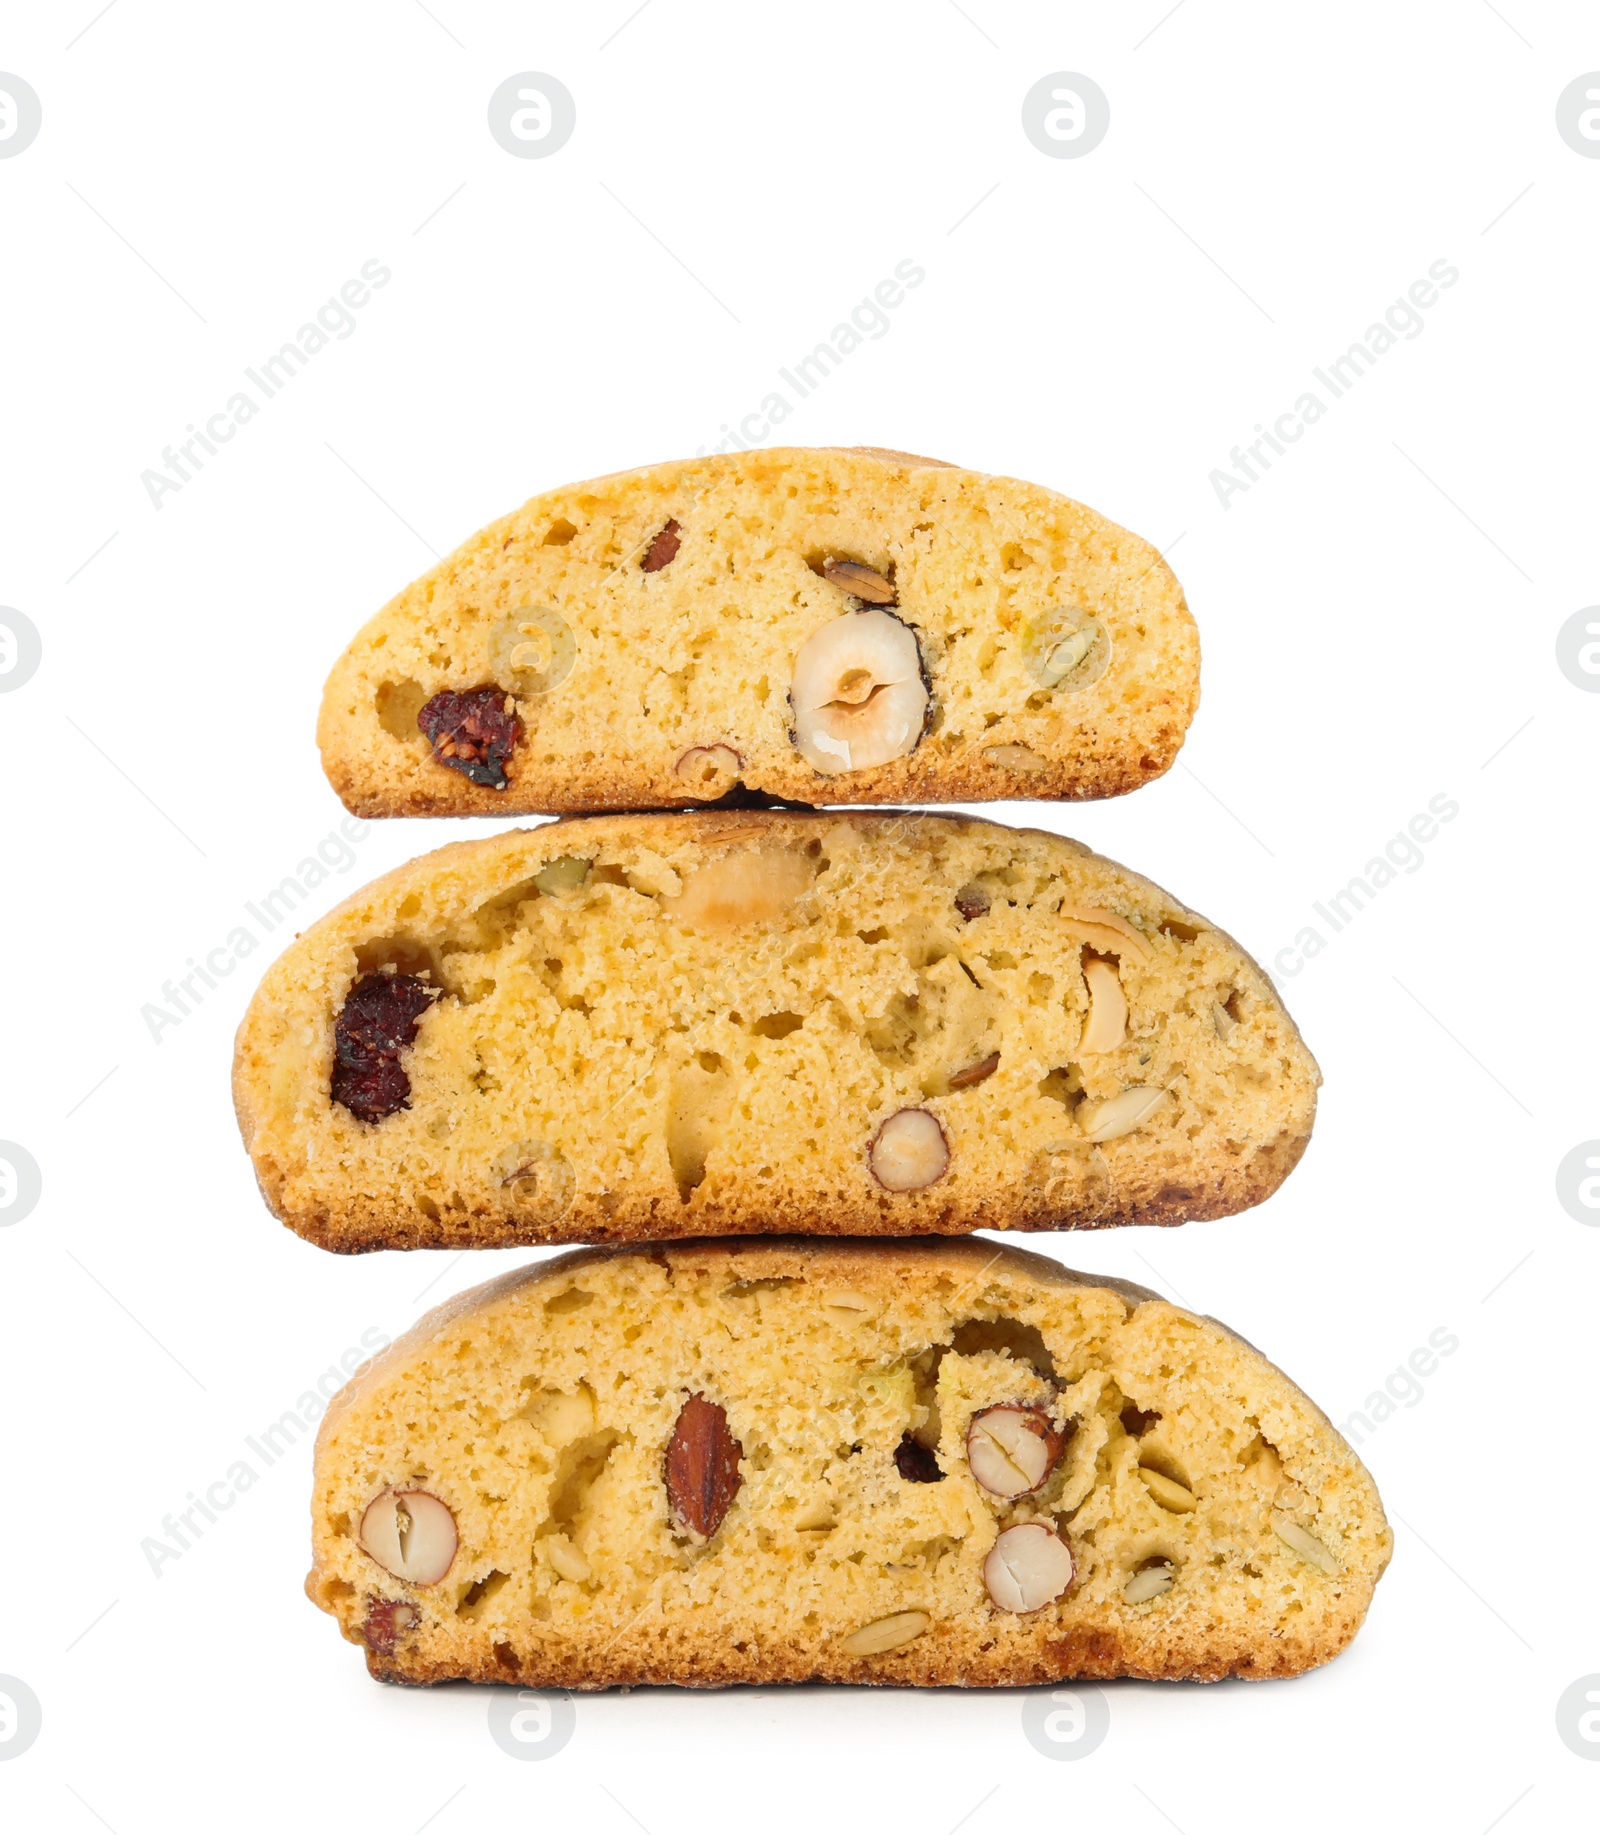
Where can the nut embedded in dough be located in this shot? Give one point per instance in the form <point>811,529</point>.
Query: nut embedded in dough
<point>860,581</point>
<point>1107,1024</point>
<point>1294,1535</point>
<point>858,694</point>
<point>411,1534</point>
<point>1148,1583</point>
<point>885,1634</point>
<point>909,1151</point>
<point>1012,1449</point>
<point>1167,1492</point>
<point>1028,1567</point>
<point>546,1403</point>
<point>1120,1114</point>
<point>702,1468</point>
<point>1105,931</point>
<point>746,885</point>
<point>738,982</point>
<point>709,770</point>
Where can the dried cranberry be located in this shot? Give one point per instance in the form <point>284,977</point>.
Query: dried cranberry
<point>378,1022</point>
<point>387,1620</point>
<point>915,1462</point>
<point>664,548</point>
<point>472,731</point>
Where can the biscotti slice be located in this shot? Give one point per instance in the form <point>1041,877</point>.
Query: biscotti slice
<point>901,1462</point>
<point>811,625</point>
<point>626,1027</point>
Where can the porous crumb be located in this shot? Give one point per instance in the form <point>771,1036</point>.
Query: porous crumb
<point>658,1026</point>
<point>546,1409</point>
<point>1058,654</point>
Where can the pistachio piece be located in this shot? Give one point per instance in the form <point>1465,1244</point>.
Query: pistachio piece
<point>565,874</point>
<point>972,901</point>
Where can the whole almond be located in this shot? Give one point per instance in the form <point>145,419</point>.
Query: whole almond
<point>702,1467</point>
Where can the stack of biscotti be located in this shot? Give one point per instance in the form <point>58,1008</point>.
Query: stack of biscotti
<point>764,1050</point>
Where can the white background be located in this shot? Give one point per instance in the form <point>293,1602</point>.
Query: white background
<point>1379,618</point>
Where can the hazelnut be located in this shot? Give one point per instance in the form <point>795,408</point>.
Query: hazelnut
<point>708,770</point>
<point>858,695</point>
<point>1028,1567</point>
<point>411,1534</point>
<point>909,1151</point>
<point>1012,1449</point>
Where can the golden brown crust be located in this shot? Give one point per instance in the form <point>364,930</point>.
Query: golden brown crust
<point>1101,746</point>
<point>681,1652</point>
<point>1080,1656</point>
<point>358,1231</point>
<point>353,1214</point>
